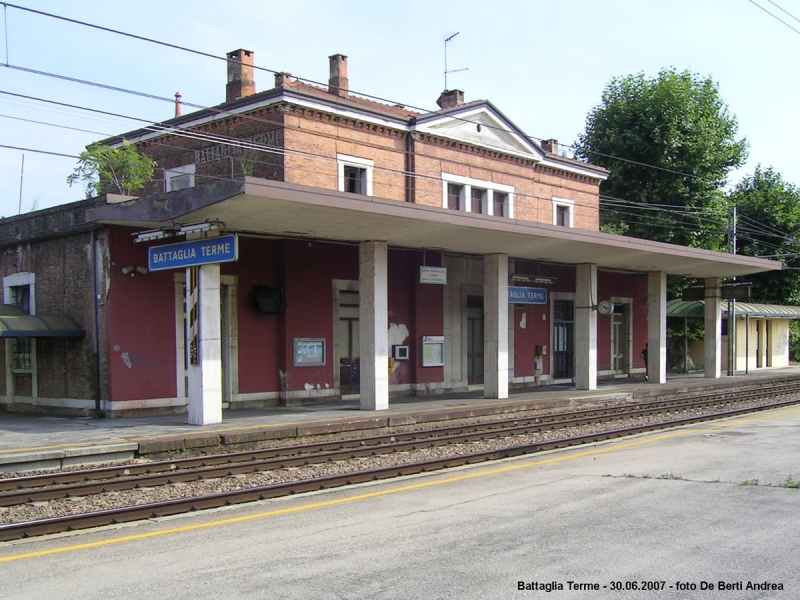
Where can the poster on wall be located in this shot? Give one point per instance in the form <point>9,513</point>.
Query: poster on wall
<point>433,351</point>
<point>309,352</point>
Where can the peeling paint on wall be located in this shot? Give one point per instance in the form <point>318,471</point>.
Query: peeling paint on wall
<point>398,333</point>
<point>127,360</point>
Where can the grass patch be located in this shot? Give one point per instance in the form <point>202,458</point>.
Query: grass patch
<point>750,482</point>
<point>670,475</point>
<point>791,483</point>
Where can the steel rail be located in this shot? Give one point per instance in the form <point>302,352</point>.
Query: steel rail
<point>88,482</point>
<point>173,507</point>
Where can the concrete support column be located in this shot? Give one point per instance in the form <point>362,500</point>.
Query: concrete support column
<point>205,377</point>
<point>495,319</point>
<point>657,327</point>
<point>713,322</point>
<point>585,327</point>
<point>374,324</point>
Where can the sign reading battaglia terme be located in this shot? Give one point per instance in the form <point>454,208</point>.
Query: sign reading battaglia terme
<point>527,295</point>
<point>192,254</point>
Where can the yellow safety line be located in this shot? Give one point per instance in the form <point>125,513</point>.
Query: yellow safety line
<point>406,488</point>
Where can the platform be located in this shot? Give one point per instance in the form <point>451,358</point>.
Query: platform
<point>33,442</point>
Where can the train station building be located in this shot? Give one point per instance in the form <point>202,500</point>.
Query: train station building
<point>306,244</point>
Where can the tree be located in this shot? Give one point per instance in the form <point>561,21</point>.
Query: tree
<point>769,226</point>
<point>120,170</point>
<point>679,142</point>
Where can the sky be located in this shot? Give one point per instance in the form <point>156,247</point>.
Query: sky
<point>543,64</point>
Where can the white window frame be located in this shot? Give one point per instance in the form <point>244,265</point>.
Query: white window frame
<point>343,160</point>
<point>489,186</point>
<point>181,171</point>
<point>9,282</point>
<point>570,205</point>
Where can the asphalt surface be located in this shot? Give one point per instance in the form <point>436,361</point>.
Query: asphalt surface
<point>694,506</point>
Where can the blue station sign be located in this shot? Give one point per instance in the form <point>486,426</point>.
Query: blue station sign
<point>527,295</point>
<point>207,251</point>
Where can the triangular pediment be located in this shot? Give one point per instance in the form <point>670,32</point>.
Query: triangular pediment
<point>480,125</point>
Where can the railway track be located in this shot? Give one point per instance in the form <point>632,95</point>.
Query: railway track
<point>41,488</point>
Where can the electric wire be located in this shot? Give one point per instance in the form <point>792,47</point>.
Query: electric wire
<point>308,81</point>
<point>605,199</point>
<point>151,96</point>
<point>774,16</point>
<point>775,4</point>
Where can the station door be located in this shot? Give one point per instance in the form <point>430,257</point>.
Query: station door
<point>563,339</point>
<point>349,350</point>
<point>474,340</point>
<point>620,343</point>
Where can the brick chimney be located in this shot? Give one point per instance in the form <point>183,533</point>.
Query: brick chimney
<point>450,99</point>
<point>241,80</point>
<point>178,107</point>
<point>282,78</point>
<point>338,83</point>
<point>550,146</point>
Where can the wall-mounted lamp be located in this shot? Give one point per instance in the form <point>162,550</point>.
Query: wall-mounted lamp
<point>197,227</point>
<point>153,234</point>
<point>131,270</point>
<point>541,279</point>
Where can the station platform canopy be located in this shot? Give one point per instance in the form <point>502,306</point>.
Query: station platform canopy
<point>695,309</point>
<point>283,210</point>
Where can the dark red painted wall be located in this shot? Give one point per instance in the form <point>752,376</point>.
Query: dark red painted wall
<point>260,336</point>
<point>626,286</point>
<point>310,268</point>
<point>428,302</point>
<point>538,326</point>
<point>142,319</point>
<point>141,325</point>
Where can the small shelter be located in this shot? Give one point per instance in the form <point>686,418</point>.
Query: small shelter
<point>760,339</point>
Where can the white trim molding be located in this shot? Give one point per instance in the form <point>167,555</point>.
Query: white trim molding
<point>570,204</point>
<point>343,160</point>
<point>10,282</point>
<point>490,187</point>
<point>179,173</point>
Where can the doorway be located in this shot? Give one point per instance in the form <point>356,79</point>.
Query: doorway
<point>620,339</point>
<point>563,339</point>
<point>348,340</point>
<point>474,340</point>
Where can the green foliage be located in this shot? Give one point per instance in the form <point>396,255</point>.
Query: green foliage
<point>615,227</point>
<point>121,170</point>
<point>676,122</point>
<point>791,483</point>
<point>769,219</point>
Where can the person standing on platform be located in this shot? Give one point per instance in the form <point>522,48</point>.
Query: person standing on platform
<point>646,366</point>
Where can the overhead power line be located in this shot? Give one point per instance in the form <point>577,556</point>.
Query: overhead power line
<point>233,141</point>
<point>272,71</point>
<point>39,151</point>
<point>774,16</point>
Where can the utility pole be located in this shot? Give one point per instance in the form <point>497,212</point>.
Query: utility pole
<point>732,302</point>
<point>21,179</point>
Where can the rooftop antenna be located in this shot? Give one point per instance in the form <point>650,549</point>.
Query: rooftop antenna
<point>445,60</point>
<point>21,179</point>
